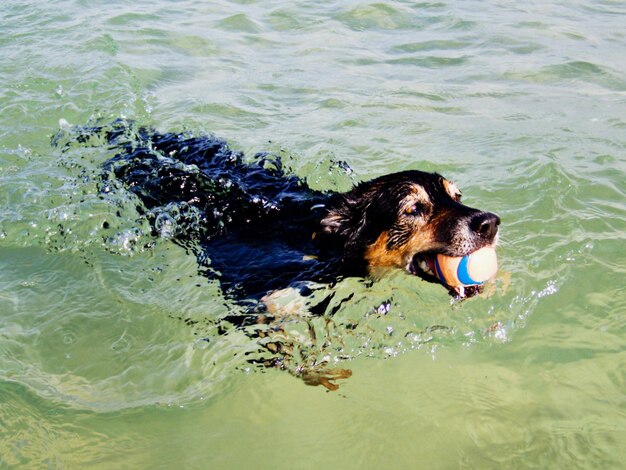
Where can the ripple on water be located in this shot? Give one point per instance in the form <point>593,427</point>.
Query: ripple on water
<point>139,354</point>
<point>577,71</point>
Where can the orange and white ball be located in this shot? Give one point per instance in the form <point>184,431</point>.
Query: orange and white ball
<point>471,270</point>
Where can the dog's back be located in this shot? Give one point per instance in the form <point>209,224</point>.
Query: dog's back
<point>250,223</point>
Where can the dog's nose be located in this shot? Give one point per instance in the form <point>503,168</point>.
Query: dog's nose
<point>485,225</point>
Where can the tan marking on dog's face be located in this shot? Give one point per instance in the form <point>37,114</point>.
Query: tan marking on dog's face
<point>378,254</point>
<point>452,189</point>
<point>414,229</point>
<point>416,200</point>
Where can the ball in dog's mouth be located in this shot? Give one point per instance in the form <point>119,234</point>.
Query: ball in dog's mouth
<point>463,275</point>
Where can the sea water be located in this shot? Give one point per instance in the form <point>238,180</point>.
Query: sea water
<point>109,352</point>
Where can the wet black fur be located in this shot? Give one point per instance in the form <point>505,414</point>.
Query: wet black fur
<point>255,227</point>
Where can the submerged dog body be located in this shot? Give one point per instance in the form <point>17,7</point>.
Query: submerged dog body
<point>259,229</point>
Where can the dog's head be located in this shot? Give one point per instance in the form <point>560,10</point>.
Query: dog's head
<point>404,219</point>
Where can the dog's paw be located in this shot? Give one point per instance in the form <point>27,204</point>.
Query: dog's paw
<point>325,377</point>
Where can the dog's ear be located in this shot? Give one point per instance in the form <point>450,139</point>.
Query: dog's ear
<point>345,218</point>
<point>358,218</point>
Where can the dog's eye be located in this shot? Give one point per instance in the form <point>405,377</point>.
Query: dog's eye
<point>414,210</point>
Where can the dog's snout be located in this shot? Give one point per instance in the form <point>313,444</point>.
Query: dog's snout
<point>485,225</point>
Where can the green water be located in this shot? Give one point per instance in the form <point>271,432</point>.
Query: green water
<point>522,104</point>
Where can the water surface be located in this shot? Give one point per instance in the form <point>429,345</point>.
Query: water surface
<point>109,355</point>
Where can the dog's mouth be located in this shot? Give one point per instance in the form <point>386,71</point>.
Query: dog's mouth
<point>423,266</point>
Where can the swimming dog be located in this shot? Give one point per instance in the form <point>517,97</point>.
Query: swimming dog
<point>260,230</point>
